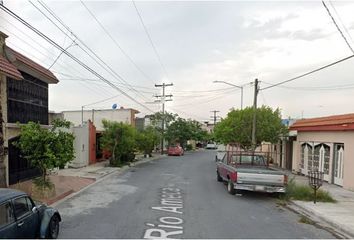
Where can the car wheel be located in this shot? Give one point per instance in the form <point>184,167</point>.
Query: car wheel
<point>230,188</point>
<point>53,229</point>
<point>218,177</point>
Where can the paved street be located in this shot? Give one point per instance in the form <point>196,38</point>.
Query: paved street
<point>176,197</point>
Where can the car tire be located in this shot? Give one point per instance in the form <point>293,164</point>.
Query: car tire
<point>230,188</point>
<point>53,228</point>
<point>218,177</point>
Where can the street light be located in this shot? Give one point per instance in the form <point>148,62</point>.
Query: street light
<point>240,87</point>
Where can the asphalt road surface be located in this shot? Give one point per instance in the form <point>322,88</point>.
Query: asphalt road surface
<point>177,197</point>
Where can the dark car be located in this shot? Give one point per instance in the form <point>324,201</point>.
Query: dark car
<point>20,217</point>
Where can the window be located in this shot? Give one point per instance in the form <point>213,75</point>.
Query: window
<point>248,160</point>
<point>27,100</point>
<point>6,214</point>
<point>22,206</point>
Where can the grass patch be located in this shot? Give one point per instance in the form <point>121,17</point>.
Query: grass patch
<point>306,220</point>
<point>305,193</point>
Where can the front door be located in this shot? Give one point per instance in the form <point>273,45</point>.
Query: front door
<point>321,159</point>
<point>338,164</point>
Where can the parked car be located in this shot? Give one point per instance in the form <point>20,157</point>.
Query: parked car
<point>175,151</point>
<point>20,217</point>
<point>211,146</point>
<point>247,171</point>
<point>221,151</point>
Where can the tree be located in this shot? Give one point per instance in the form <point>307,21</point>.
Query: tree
<point>182,130</point>
<point>147,140</point>
<point>198,133</point>
<point>156,119</point>
<point>47,148</point>
<point>237,126</point>
<point>119,139</point>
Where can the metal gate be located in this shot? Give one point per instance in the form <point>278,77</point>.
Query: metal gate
<point>19,168</point>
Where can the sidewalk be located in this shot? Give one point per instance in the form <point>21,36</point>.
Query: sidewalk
<point>339,215</point>
<point>72,180</point>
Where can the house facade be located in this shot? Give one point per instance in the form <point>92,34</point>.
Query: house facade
<point>24,98</point>
<point>124,115</point>
<point>326,144</point>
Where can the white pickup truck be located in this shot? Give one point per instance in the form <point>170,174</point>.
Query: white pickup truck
<point>247,171</point>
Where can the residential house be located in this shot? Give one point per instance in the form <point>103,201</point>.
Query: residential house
<point>326,144</point>
<point>24,98</point>
<point>142,122</point>
<point>78,117</point>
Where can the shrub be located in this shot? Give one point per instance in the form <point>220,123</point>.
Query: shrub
<point>305,193</point>
<point>189,147</point>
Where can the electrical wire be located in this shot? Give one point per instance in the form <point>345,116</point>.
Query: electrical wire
<point>14,15</point>
<point>150,39</point>
<point>308,73</point>
<point>95,57</point>
<point>335,23</point>
<point>116,43</point>
<point>340,20</point>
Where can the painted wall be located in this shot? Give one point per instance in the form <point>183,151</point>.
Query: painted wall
<point>81,146</point>
<point>92,143</point>
<point>96,116</point>
<point>346,137</point>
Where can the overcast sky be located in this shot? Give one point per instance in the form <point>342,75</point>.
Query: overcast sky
<point>197,42</point>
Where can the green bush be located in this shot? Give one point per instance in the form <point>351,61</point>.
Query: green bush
<point>305,193</point>
<point>189,147</point>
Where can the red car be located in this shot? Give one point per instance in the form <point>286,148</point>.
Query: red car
<point>175,151</point>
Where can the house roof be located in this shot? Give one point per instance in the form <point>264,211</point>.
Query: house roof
<point>9,69</point>
<point>343,122</point>
<point>27,65</point>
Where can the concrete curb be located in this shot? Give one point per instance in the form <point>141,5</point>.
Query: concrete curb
<point>118,170</point>
<point>329,225</point>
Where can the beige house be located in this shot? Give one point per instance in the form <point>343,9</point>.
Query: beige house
<point>326,144</point>
<point>24,98</point>
<point>124,115</point>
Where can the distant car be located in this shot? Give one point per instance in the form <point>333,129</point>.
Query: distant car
<point>221,151</point>
<point>20,217</point>
<point>211,146</point>
<point>175,151</point>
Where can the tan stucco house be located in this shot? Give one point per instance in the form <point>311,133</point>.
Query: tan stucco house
<point>326,144</point>
<point>24,98</point>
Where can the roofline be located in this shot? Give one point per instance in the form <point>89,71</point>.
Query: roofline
<point>100,110</point>
<point>41,72</point>
<point>332,127</point>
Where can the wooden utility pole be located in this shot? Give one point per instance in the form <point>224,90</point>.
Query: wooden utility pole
<point>163,100</point>
<point>214,117</point>
<point>256,90</point>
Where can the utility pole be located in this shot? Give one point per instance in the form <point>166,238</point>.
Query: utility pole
<point>163,100</point>
<point>214,117</point>
<point>256,90</point>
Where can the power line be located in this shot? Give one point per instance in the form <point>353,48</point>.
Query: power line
<point>12,14</point>
<point>308,73</point>
<point>116,43</point>
<point>318,88</point>
<point>340,20</point>
<point>218,96</point>
<point>96,58</point>
<point>39,51</point>
<point>335,23</point>
<point>150,39</point>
